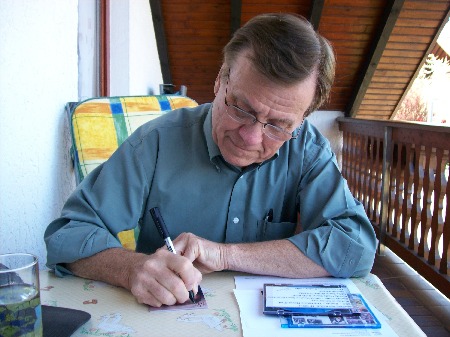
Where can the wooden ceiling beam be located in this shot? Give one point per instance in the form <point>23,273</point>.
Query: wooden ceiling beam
<point>381,38</point>
<point>316,13</point>
<point>235,17</point>
<point>161,42</point>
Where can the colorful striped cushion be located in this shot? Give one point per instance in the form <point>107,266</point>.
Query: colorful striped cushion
<point>99,125</point>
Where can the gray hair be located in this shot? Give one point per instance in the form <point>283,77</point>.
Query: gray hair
<point>285,49</point>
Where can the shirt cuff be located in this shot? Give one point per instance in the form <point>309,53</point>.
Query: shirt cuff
<point>332,249</point>
<point>70,244</point>
<point>61,271</point>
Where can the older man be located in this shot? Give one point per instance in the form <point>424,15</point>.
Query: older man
<point>243,183</point>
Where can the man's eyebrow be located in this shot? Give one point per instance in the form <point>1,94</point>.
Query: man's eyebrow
<point>288,122</point>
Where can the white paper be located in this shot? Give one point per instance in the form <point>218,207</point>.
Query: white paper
<point>256,324</point>
<point>308,297</point>
<point>251,282</point>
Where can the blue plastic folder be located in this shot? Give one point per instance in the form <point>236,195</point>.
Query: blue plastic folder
<point>317,306</point>
<point>366,319</point>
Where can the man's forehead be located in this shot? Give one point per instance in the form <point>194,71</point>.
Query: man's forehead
<point>251,88</point>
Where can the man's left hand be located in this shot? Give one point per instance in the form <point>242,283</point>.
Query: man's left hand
<point>205,255</point>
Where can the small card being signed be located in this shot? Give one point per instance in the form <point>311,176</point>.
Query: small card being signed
<point>200,303</point>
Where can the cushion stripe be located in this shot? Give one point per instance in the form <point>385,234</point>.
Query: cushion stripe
<point>119,120</point>
<point>164,103</point>
<point>116,105</point>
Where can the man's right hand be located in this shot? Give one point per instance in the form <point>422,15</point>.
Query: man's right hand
<point>164,278</point>
<point>156,279</point>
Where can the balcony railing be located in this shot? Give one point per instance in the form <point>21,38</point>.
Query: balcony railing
<point>400,173</point>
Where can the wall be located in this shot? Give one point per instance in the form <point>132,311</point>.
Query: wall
<point>325,122</point>
<point>88,50</point>
<point>40,71</point>
<point>135,68</point>
<point>145,69</point>
<point>39,74</point>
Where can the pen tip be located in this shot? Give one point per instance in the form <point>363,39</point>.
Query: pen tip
<point>192,297</point>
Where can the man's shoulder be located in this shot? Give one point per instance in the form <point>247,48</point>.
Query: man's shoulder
<point>308,139</point>
<point>313,135</point>
<point>174,121</point>
<point>182,117</point>
<point>309,147</point>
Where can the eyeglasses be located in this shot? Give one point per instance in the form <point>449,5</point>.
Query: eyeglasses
<point>241,116</point>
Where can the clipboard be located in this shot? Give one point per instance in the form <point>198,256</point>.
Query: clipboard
<point>317,300</point>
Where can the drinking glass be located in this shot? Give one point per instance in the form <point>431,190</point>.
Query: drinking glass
<point>20,305</point>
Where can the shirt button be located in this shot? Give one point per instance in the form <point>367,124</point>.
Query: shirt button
<point>236,220</point>
<point>351,261</point>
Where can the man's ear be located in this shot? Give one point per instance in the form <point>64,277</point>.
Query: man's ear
<point>218,78</point>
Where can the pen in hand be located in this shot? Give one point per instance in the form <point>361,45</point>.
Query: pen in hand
<point>162,229</point>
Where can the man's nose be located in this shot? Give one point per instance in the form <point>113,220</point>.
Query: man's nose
<point>252,134</point>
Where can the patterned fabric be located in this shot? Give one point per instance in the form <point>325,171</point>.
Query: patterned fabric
<point>100,125</point>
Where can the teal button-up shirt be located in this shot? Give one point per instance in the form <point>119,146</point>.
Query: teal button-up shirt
<point>173,163</point>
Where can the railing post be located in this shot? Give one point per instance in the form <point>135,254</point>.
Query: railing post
<point>385,182</point>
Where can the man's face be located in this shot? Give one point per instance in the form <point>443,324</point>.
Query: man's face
<point>282,106</point>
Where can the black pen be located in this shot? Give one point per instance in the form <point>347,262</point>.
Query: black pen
<point>162,229</point>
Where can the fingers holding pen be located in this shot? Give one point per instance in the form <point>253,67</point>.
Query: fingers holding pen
<point>163,231</point>
<point>180,277</point>
<point>164,278</point>
<point>152,293</point>
<point>189,274</point>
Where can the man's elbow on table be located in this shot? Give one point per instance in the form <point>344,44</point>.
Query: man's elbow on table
<point>357,264</point>
<point>340,255</point>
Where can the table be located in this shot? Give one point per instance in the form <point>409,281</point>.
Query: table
<point>116,313</point>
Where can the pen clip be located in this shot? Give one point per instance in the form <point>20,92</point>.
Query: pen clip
<point>269,216</point>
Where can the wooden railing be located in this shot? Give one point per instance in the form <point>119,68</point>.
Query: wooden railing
<point>400,173</point>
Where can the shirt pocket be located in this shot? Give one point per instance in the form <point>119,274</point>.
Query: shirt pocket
<point>275,230</point>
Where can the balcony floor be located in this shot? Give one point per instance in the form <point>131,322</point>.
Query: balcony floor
<point>426,306</point>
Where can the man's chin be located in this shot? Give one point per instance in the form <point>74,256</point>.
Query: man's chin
<point>239,157</point>
<point>238,161</point>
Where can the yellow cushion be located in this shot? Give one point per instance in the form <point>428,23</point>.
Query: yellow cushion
<point>100,125</point>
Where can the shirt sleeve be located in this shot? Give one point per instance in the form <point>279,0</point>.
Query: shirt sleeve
<point>337,233</point>
<point>99,209</point>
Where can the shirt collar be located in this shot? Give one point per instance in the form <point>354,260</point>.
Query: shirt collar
<point>213,149</point>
